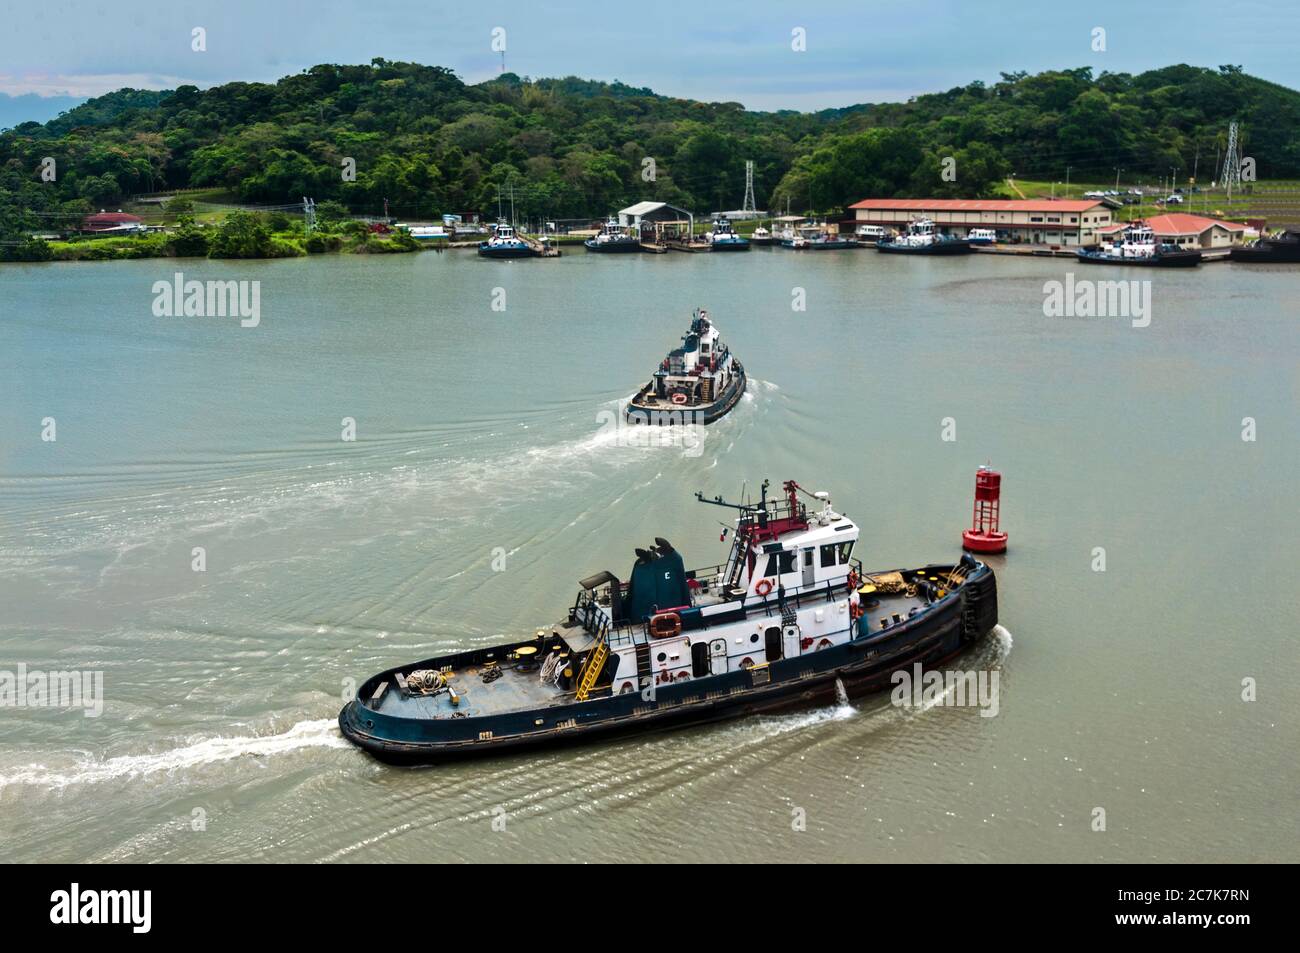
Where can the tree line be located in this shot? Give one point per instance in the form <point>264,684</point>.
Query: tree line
<point>570,148</point>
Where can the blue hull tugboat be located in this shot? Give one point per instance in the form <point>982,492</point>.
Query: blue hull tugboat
<point>505,243</point>
<point>696,383</point>
<point>922,238</point>
<point>613,240</point>
<point>1137,245</point>
<point>723,237</point>
<point>789,618</point>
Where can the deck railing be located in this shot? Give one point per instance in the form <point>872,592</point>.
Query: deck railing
<point>626,633</point>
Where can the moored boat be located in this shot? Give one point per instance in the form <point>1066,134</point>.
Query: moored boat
<point>1136,245</point>
<point>505,243</point>
<point>696,383</point>
<point>922,238</point>
<point>722,237</point>
<point>816,237</point>
<point>762,236</point>
<point>870,235</point>
<point>1282,248</point>
<point>613,239</point>
<point>788,620</point>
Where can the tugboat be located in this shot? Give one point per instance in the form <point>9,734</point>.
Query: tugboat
<point>724,238</point>
<point>923,239</point>
<point>696,383</point>
<point>1137,245</point>
<point>613,239</point>
<point>789,619</point>
<point>1282,248</point>
<point>505,243</point>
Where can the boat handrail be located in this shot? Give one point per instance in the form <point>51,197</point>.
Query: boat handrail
<point>625,633</point>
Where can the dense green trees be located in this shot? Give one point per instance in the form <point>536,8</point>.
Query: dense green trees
<point>573,148</point>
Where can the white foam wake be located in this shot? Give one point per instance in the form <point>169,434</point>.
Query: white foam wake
<point>319,733</point>
<point>1004,642</point>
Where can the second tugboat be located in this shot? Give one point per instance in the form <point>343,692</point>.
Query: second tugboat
<point>790,619</point>
<point>613,239</point>
<point>724,238</point>
<point>1136,244</point>
<point>695,384</point>
<point>922,238</point>
<point>505,243</point>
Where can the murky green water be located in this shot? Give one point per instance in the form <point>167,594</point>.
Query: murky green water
<point>481,431</point>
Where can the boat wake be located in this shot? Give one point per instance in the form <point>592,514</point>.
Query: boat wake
<point>994,654</point>
<point>317,733</point>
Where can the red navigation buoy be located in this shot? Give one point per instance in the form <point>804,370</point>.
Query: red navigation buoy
<point>983,535</point>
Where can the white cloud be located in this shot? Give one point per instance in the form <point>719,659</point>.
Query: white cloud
<point>90,84</point>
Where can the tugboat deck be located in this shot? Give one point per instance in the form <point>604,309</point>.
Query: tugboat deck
<point>515,690</point>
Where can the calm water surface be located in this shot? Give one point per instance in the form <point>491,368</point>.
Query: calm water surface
<point>481,431</point>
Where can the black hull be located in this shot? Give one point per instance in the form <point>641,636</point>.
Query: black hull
<point>938,248</point>
<point>638,413</point>
<point>864,666</point>
<point>612,248</point>
<point>500,253</point>
<point>1182,259</point>
<point>730,246</point>
<point>1286,253</point>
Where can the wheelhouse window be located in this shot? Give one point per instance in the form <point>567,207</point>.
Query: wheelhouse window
<point>846,549</point>
<point>829,555</point>
<point>778,564</point>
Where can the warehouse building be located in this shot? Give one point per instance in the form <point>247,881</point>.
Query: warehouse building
<point>1037,221</point>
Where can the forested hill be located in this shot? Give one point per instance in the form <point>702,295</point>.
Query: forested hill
<point>573,148</point>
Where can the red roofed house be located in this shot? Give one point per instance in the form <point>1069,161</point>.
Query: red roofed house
<point>1191,231</point>
<point>118,221</point>
<point>1039,221</point>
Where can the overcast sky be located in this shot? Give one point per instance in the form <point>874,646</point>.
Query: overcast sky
<point>857,50</point>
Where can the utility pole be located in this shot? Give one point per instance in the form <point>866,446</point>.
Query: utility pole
<point>1117,172</point>
<point>1067,182</point>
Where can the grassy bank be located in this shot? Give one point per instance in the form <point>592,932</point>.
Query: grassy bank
<point>1277,200</point>
<point>239,235</point>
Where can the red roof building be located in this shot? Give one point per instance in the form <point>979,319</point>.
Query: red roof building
<point>1038,221</point>
<point>103,221</point>
<point>1190,231</point>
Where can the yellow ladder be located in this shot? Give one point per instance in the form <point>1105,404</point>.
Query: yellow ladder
<point>591,672</point>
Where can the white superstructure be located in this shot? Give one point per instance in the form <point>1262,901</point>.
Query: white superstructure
<point>783,592</point>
